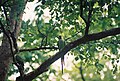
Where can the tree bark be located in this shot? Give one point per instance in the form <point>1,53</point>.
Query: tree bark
<point>15,19</point>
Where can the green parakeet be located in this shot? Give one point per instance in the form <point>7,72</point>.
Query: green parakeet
<point>61,45</point>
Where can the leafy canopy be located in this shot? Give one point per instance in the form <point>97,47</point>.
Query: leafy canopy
<point>69,19</point>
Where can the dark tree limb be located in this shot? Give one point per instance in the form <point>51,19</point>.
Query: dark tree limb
<point>40,48</point>
<point>12,34</point>
<point>90,9</point>
<point>8,36</point>
<point>5,12</point>
<point>81,11</point>
<point>91,37</point>
<point>89,19</point>
<point>10,40</point>
<point>7,43</point>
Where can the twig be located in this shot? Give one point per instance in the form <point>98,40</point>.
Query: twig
<point>80,69</point>
<point>73,35</point>
<point>81,72</point>
<point>41,33</point>
<point>40,48</point>
<point>44,37</point>
<point>75,65</point>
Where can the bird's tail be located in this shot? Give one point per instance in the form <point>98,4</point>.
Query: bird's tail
<point>62,64</point>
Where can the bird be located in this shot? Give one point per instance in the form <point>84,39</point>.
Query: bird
<point>61,44</point>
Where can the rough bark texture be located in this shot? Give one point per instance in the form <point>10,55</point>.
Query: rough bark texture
<point>15,19</point>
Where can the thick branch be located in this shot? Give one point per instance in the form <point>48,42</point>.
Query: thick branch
<point>91,37</point>
<point>40,48</point>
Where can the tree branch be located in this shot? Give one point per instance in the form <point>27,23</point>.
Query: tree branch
<point>40,48</point>
<point>8,36</point>
<point>88,20</point>
<point>81,72</point>
<point>91,37</point>
<point>10,40</point>
<point>81,11</point>
<point>5,12</point>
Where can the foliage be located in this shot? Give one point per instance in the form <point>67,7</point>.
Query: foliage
<point>65,20</point>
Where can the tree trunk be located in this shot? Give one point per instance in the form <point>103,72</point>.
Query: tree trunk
<point>15,19</point>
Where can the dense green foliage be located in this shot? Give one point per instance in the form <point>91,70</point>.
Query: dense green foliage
<point>65,20</point>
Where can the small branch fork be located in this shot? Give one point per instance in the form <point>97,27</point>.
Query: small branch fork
<point>81,11</point>
<point>44,37</point>
<point>88,20</point>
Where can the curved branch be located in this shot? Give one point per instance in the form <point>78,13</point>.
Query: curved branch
<point>91,37</point>
<point>11,47</point>
<point>81,73</point>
